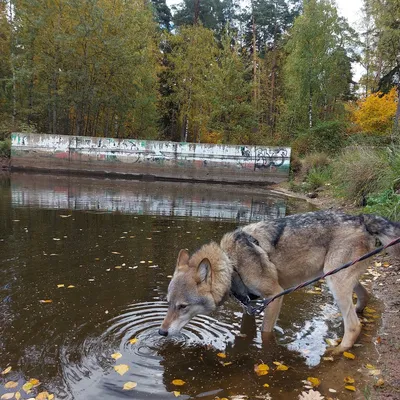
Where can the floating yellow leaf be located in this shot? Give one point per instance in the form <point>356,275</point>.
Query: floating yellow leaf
<point>370,366</point>
<point>332,342</point>
<point>116,356</point>
<point>227,363</point>
<point>65,216</point>
<point>280,366</point>
<point>178,382</point>
<point>45,301</point>
<point>121,368</point>
<point>176,393</point>
<point>349,379</point>
<point>18,395</point>
<point>60,285</point>
<point>7,396</point>
<point>266,385</point>
<point>43,396</point>
<point>70,287</point>
<point>11,384</point>
<point>349,355</point>
<point>129,385</point>
<point>261,369</point>
<point>27,387</point>
<point>221,355</point>
<point>133,341</point>
<point>315,382</point>
<point>350,387</point>
<point>118,267</point>
<point>379,382</point>
<point>115,252</point>
<point>6,371</point>
<point>34,382</point>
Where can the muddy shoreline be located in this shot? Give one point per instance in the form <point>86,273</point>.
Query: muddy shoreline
<point>386,287</point>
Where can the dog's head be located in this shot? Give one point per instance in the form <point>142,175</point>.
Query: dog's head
<point>189,293</point>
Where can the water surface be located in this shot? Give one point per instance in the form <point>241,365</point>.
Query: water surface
<point>103,252</point>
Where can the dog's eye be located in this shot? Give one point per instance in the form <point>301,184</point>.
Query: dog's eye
<point>182,306</point>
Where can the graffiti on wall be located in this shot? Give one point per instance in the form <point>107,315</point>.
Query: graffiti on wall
<point>154,153</point>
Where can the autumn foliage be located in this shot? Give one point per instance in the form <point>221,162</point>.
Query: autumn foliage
<point>374,114</point>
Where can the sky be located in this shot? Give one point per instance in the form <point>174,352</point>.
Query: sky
<point>350,9</point>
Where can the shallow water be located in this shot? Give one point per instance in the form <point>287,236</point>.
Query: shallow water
<point>116,243</point>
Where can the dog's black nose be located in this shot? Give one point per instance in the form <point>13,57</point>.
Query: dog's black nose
<point>162,332</point>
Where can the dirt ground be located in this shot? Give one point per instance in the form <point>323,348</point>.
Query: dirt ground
<point>386,288</point>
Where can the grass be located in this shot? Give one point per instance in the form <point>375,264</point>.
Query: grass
<point>5,148</point>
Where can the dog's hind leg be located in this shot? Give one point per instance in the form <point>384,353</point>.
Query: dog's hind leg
<point>342,285</point>
<point>362,297</point>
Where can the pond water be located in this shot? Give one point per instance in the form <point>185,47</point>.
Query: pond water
<point>84,269</point>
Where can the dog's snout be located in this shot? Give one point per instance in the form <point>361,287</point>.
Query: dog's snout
<point>163,332</point>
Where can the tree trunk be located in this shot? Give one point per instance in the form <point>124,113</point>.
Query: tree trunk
<point>196,12</point>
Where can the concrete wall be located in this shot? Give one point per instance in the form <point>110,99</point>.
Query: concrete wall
<point>138,158</point>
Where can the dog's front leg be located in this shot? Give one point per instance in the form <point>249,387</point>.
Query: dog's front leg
<point>271,314</point>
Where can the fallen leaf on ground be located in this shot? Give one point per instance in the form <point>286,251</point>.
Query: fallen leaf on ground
<point>45,301</point>
<point>18,395</point>
<point>221,355</point>
<point>176,393</point>
<point>370,366</point>
<point>315,382</point>
<point>118,267</point>
<point>121,368</point>
<point>350,387</point>
<point>6,371</point>
<point>351,356</point>
<point>7,396</point>
<point>116,356</point>
<point>332,390</point>
<point>261,369</point>
<point>227,363</point>
<point>133,341</point>
<point>379,382</point>
<point>375,372</point>
<point>11,384</point>
<point>65,216</point>
<point>60,285</point>
<point>129,385</point>
<point>27,387</point>
<point>378,264</point>
<point>266,385</point>
<point>349,379</point>
<point>178,382</point>
<point>330,358</point>
<point>115,252</point>
<point>70,287</point>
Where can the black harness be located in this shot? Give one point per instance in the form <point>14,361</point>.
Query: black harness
<point>239,291</point>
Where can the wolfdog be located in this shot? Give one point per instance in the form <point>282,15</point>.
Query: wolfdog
<point>264,258</point>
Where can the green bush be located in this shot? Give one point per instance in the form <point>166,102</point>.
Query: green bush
<point>386,204</point>
<point>316,161</point>
<point>5,148</point>
<point>326,137</point>
<point>361,171</point>
<point>318,177</point>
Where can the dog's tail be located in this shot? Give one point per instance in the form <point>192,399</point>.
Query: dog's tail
<point>384,230</point>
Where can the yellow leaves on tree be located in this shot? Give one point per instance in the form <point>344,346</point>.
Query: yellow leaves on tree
<point>375,113</point>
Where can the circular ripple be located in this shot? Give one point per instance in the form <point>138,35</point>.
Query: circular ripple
<point>88,355</point>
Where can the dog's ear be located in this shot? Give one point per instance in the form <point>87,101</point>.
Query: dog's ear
<point>204,270</point>
<point>183,258</point>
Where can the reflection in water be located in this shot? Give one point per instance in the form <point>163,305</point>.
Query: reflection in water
<point>107,273</point>
<point>145,198</point>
